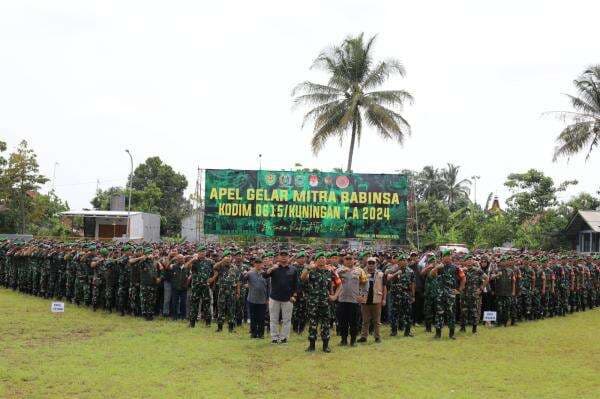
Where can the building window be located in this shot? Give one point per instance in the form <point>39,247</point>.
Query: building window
<point>595,242</point>
<point>585,241</point>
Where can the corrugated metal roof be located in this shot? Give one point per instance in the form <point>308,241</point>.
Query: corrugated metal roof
<point>592,218</point>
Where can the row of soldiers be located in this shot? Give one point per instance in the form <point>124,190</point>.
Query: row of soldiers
<point>127,279</point>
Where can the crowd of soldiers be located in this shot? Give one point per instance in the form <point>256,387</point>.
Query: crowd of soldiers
<point>433,289</point>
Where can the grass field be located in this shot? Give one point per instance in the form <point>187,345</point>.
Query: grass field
<point>82,354</point>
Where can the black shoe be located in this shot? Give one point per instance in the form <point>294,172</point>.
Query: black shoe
<point>122,313</point>
<point>377,340</point>
<point>438,333</point>
<point>428,327</point>
<point>362,340</point>
<point>283,341</point>
<point>344,341</point>
<point>274,341</point>
<point>394,332</point>
<point>230,327</point>
<point>463,329</point>
<point>219,327</point>
<point>207,323</point>
<point>326,346</point>
<point>451,335</point>
<point>311,345</point>
<point>192,323</point>
<point>407,332</point>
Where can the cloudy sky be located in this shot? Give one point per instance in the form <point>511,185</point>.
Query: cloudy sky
<point>207,84</point>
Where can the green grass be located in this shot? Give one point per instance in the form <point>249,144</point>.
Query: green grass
<point>87,355</point>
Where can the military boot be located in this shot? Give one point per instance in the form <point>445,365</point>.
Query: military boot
<point>451,335</point>
<point>463,328</point>
<point>407,332</point>
<point>474,330</point>
<point>230,326</point>
<point>353,340</point>
<point>438,333</point>
<point>344,341</point>
<point>207,323</point>
<point>311,345</point>
<point>427,327</point>
<point>192,323</point>
<point>394,331</point>
<point>219,327</point>
<point>326,346</point>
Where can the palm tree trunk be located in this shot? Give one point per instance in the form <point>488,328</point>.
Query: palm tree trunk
<point>352,140</point>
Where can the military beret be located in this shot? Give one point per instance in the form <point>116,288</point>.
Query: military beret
<point>320,254</point>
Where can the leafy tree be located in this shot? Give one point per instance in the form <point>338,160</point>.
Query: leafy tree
<point>542,232</point>
<point>583,130</point>
<point>454,188</point>
<point>430,183</point>
<point>44,218</point>
<point>583,201</point>
<point>156,188</point>
<point>21,180</point>
<point>532,193</point>
<point>494,232</point>
<point>351,96</point>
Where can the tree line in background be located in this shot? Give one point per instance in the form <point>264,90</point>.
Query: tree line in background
<point>23,209</point>
<point>533,219</point>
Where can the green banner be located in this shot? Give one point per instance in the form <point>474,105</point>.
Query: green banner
<point>305,204</point>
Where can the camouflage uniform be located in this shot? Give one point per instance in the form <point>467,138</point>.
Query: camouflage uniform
<point>504,287</point>
<point>317,300</point>
<point>148,275</point>
<point>526,297</point>
<point>201,272</point>
<point>122,270</point>
<point>98,284</point>
<point>401,298</point>
<point>446,298</point>
<point>134,289</point>
<point>471,297</point>
<point>429,309</point>
<point>227,282</point>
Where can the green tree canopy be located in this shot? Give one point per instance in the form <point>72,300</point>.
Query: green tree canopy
<point>352,96</point>
<point>583,130</point>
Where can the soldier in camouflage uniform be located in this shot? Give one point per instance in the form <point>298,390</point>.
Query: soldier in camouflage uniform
<point>147,282</point>
<point>538,290</point>
<point>476,280</point>
<point>527,287</point>
<point>318,278</point>
<point>202,269</point>
<point>515,308</point>
<point>548,295</point>
<point>123,283</point>
<point>240,305</point>
<point>110,281</point>
<point>134,283</point>
<point>451,281</point>
<point>98,284</point>
<point>431,288</point>
<point>227,278</point>
<point>401,282</point>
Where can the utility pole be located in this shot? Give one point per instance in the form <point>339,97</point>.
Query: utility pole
<point>54,176</point>
<point>475,178</point>
<point>198,205</point>
<point>129,208</point>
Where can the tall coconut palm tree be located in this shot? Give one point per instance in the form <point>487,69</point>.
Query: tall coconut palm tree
<point>431,183</point>
<point>584,128</point>
<point>453,188</point>
<point>351,96</point>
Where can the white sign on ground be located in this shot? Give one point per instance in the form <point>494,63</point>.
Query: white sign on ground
<point>57,307</point>
<point>489,316</point>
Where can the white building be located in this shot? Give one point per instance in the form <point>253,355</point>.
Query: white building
<point>113,224</point>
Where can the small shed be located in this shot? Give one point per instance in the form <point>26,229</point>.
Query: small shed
<point>583,231</point>
<point>114,224</point>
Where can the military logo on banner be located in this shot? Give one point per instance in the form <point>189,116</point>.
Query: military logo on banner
<point>305,204</point>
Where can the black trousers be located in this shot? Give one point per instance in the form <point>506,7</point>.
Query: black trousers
<point>257,319</point>
<point>348,314</point>
<point>417,307</point>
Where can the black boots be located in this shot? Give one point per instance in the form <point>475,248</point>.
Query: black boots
<point>231,325</point>
<point>427,327</point>
<point>474,330</point>
<point>451,335</point>
<point>463,328</point>
<point>219,327</point>
<point>394,331</point>
<point>353,340</point>
<point>438,333</point>
<point>326,346</point>
<point>192,323</point>
<point>208,323</point>
<point>407,331</point>
<point>344,341</point>
<point>311,345</point>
